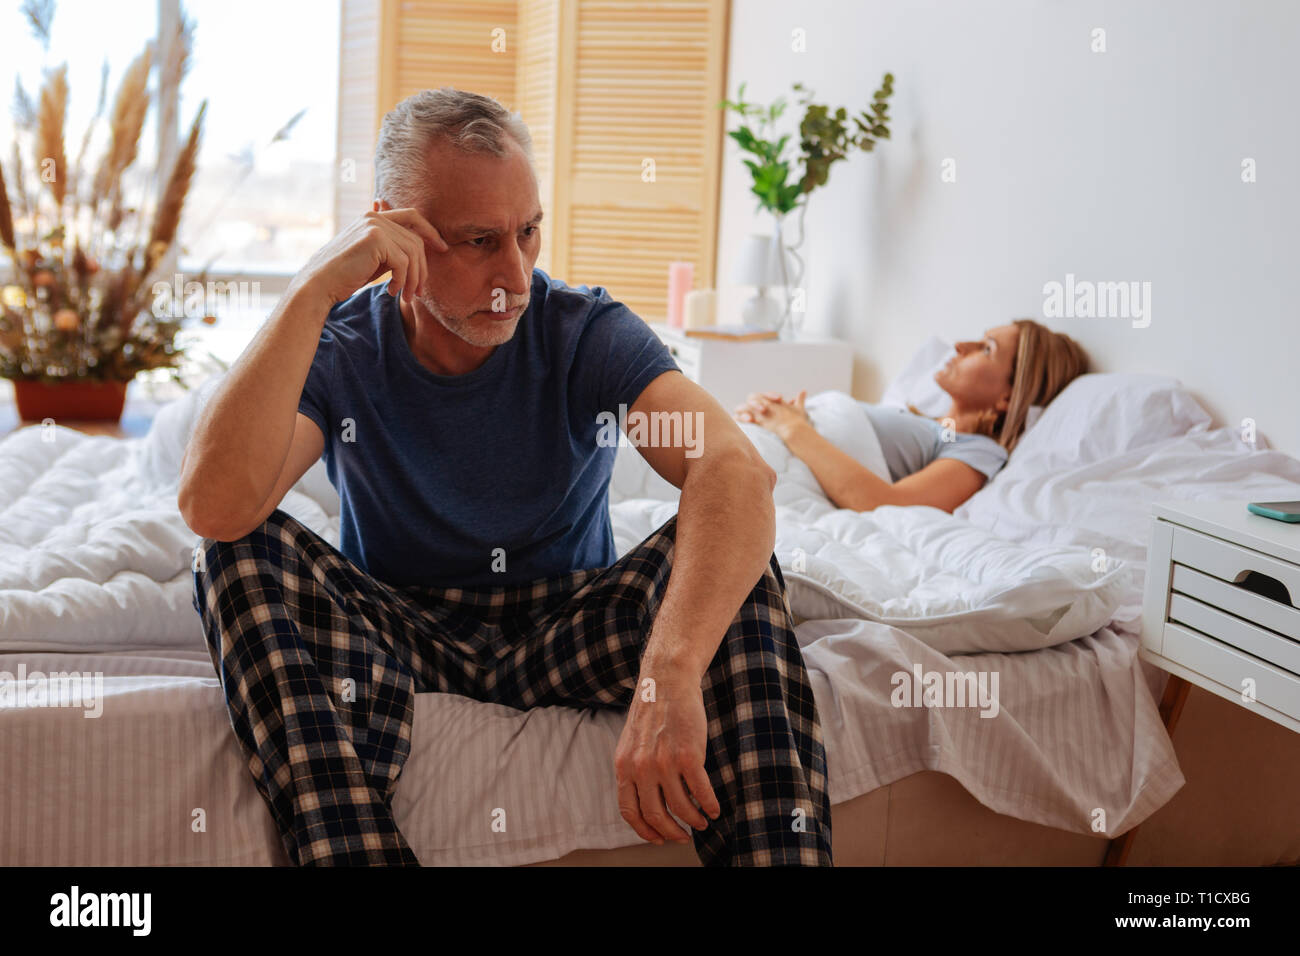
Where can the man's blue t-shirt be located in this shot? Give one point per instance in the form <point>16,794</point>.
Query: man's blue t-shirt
<point>443,479</point>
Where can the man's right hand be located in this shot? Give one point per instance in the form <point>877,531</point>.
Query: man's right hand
<point>387,240</point>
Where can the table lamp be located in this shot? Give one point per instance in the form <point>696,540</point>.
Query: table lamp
<point>759,265</point>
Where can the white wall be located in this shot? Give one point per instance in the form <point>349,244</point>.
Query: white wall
<point>1114,166</point>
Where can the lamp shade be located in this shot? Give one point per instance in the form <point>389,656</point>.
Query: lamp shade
<point>758,263</point>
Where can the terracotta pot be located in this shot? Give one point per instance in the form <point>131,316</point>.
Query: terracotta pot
<point>74,400</point>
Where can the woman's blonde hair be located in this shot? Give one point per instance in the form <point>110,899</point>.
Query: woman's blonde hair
<point>1044,364</point>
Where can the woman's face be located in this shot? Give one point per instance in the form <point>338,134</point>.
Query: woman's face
<point>979,375</point>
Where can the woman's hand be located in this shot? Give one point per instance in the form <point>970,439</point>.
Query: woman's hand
<point>776,414</point>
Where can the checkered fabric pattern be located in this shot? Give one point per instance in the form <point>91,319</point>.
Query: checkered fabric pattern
<point>320,663</point>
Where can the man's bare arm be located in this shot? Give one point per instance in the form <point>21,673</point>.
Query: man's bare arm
<point>245,437</point>
<point>726,526</point>
<point>242,439</point>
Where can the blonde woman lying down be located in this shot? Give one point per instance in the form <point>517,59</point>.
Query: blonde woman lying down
<point>992,382</point>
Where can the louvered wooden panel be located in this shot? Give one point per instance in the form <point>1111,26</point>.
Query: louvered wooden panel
<point>441,43</point>
<point>603,85</point>
<point>358,118</point>
<point>536,77</point>
<point>629,255</point>
<point>646,80</point>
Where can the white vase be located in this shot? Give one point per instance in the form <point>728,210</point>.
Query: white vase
<point>790,268</point>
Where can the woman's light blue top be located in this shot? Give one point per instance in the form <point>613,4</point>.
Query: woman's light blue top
<point>910,442</point>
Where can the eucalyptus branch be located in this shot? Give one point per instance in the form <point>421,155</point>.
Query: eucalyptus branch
<point>824,139</point>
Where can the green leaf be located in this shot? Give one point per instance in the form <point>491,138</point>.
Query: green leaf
<point>744,137</point>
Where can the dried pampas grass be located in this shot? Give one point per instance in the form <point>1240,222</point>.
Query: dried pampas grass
<point>75,182</point>
<point>167,216</point>
<point>6,216</point>
<point>129,110</point>
<point>49,132</point>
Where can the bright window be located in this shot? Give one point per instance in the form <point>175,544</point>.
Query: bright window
<point>257,205</point>
<point>261,202</point>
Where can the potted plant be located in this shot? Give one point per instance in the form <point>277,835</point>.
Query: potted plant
<point>79,319</point>
<point>824,139</point>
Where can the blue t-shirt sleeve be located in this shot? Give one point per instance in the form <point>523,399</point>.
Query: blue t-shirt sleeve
<point>980,452</point>
<point>619,355</point>
<point>316,391</point>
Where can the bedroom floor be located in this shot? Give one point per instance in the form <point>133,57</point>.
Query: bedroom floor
<point>1238,806</point>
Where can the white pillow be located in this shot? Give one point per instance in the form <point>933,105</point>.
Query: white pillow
<point>1107,413</point>
<point>915,384</point>
<point>164,446</point>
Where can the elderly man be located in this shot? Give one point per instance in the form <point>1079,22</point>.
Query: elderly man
<point>459,412</point>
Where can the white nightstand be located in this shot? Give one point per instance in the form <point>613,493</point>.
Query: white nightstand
<point>730,371</point>
<point>1220,611</point>
<point>1222,604</point>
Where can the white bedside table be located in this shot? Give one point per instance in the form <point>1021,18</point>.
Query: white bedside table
<point>730,371</point>
<point>1222,604</point>
<point>1221,609</point>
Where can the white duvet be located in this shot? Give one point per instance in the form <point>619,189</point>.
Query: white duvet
<point>95,556</point>
<point>952,584</point>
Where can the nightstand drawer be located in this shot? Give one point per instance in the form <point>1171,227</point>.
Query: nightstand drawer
<point>1230,562</point>
<point>1255,640</point>
<point>1221,605</point>
<point>1228,668</point>
<point>1235,599</point>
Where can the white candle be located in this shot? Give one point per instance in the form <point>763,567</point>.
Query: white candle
<point>701,305</point>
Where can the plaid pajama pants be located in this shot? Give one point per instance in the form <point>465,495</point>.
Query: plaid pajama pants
<point>320,662</point>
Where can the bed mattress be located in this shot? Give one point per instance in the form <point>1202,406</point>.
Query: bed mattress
<point>157,778</point>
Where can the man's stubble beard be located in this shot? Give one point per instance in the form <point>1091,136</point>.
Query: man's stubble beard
<point>478,332</point>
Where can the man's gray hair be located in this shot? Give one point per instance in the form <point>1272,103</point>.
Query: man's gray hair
<point>469,121</point>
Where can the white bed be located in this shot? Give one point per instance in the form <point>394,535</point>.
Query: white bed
<point>1038,578</point>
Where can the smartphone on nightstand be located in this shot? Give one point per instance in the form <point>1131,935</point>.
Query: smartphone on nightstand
<point>1281,510</point>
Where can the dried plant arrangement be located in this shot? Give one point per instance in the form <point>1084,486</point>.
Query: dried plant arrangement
<point>86,239</point>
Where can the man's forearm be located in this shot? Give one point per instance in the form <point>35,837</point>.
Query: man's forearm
<point>242,437</point>
<point>726,529</point>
